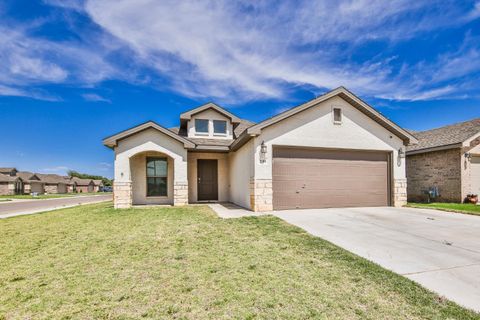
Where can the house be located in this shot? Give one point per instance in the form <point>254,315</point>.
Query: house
<point>332,151</point>
<point>53,183</point>
<point>82,185</point>
<point>97,185</point>
<point>10,185</point>
<point>31,182</point>
<point>25,182</point>
<point>446,159</point>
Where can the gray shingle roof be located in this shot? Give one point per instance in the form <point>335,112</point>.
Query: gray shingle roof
<point>444,136</point>
<point>26,176</point>
<point>81,182</point>
<point>237,131</point>
<point>7,178</point>
<point>51,178</point>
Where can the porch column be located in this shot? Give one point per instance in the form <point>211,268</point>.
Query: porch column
<point>180,182</point>
<point>122,185</point>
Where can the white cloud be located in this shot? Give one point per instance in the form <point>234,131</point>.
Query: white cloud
<point>239,51</point>
<point>208,50</point>
<point>95,97</point>
<point>29,61</point>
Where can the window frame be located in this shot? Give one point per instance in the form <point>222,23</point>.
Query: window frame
<point>334,108</point>
<point>223,134</point>
<point>202,133</point>
<point>156,177</point>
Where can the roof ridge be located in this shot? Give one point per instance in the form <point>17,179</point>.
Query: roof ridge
<point>450,125</point>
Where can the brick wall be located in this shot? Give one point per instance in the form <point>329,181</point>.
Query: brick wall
<point>5,189</point>
<point>440,169</point>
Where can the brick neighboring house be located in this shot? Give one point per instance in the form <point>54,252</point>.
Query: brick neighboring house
<point>98,185</point>
<point>447,158</point>
<point>82,185</point>
<point>10,185</point>
<point>13,181</point>
<point>53,183</point>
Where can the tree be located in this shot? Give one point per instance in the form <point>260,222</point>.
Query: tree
<point>73,173</point>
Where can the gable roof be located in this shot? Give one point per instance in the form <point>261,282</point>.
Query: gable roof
<point>112,140</point>
<point>346,95</point>
<point>8,178</point>
<point>7,170</point>
<point>187,115</point>
<point>82,182</point>
<point>52,178</point>
<point>28,176</point>
<point>97,182</point>
<point>446,137</point>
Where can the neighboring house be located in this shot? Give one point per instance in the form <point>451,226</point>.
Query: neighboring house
<point>82,185</point>
<point>97,185</point>
<point>24,182</point>
<point>333,151</point>
<point>53,183</point>
<point>447,158</point>
<point>31,182</point>
<point>10,185</point>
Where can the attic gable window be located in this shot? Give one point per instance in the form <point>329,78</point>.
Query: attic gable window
<point>337,115</point>
<point>201,126</point>
<point>219,127</point>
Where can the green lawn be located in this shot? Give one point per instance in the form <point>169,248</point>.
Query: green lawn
<point>92,262</point>
<point>454,207</point>
<point>51,196</point>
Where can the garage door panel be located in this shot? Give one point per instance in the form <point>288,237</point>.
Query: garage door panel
<point>329,178</point>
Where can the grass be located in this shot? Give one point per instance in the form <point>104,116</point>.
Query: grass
<point>452,207</point>
<point>94,262</point>
<point>50,196</point>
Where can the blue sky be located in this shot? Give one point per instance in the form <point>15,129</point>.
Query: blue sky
<point>73,72</point>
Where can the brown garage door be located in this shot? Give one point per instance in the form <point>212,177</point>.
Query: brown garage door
<point>313,178</point>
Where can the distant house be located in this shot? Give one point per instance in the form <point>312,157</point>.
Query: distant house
<point>31,182</point>
<point>98,185</point>
<point>53,183</point>
<point>10,185</point>
<point>446,159</point>
<point>13,181</point>
<point>82,185</point>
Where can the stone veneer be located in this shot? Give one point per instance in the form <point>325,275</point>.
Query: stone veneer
<point>48,188</point>
<point>440,169</point>
<point>180,193</point>
<point>400,192</point>
<point>122,195</point>
<point>261,195</point>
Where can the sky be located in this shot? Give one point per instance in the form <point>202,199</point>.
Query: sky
<point>73,72</point>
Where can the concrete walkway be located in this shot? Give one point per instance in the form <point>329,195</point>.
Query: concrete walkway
<point>229,210</point>
<point>16,208</point>
<point>439,250</point>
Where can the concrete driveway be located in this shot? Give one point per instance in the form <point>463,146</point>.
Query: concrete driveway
<point>439,250</point>
<point>16,208</point>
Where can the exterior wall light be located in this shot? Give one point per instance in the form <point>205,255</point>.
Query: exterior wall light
<point>263,152</point>
<point>468,155</point>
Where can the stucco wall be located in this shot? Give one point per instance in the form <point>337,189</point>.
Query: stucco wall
<point>315,128</point>
<point>442,169</point>
<point>209,115</point>
<point>223,174</point>
<point>241,172</point>
<point>149,140</point>
<point>139,179</point>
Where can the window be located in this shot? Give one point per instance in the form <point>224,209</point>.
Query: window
<point>337,115</point>
<point>201,126</point>
<point>220,127</point>
<point>157,177</point>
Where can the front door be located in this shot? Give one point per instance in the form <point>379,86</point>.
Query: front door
<point>207,177</point>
